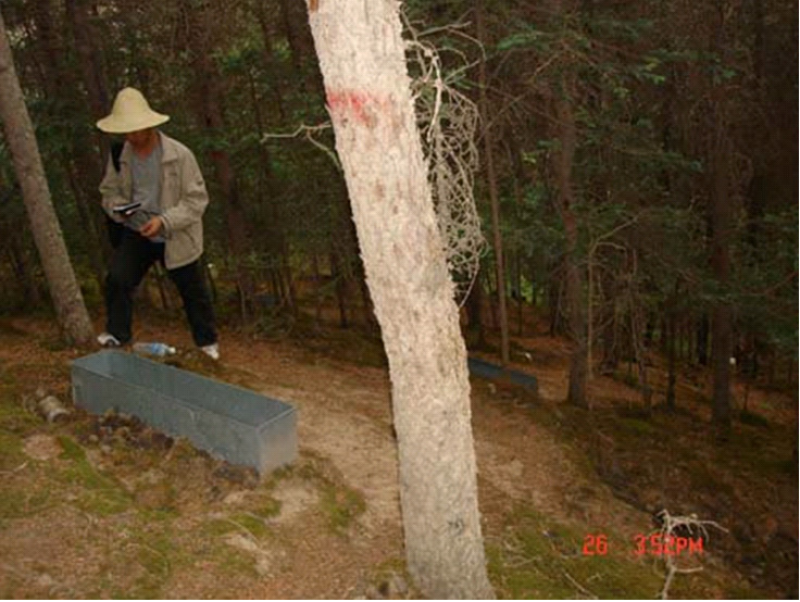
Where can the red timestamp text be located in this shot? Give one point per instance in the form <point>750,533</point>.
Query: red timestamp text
<point>671,545</point>
<point>656,544</point>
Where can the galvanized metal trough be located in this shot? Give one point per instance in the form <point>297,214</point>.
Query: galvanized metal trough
<point>485,369</point>
<point>229,422</point>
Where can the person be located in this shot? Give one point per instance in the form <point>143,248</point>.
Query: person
<point>162,175</point>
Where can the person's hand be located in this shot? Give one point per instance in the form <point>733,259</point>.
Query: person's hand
<point>152,227</point>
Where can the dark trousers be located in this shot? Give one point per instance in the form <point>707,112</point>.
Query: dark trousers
<point>129,264</point>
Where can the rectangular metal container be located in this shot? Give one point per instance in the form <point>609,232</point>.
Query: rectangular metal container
<point>229,422</point>
<point>484,369</point>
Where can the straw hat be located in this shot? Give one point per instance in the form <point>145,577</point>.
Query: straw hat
<point>130,113</point>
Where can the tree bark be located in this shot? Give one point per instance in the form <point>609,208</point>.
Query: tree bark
<point>362,58</point>
<point>64,290</point>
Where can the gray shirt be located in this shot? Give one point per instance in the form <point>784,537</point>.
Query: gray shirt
<point>146,179</point>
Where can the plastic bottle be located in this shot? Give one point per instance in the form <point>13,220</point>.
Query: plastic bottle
<point>156,349</point>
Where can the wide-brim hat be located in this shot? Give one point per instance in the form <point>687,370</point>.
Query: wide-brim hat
<point>131,113</point>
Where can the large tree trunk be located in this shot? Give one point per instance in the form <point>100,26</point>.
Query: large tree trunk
<point>64,289</point>
<point>362,57</point>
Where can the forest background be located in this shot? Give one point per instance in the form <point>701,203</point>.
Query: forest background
<point>643,156</point>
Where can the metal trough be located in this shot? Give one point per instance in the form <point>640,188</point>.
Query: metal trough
<point>229,422</point>
<point>491,371</point>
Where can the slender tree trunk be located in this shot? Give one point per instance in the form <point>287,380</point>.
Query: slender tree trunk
<point>19,134</point>
<point>671,335</point>
<point>590,334</point>
<point>344,245</point>
<point>23,273</point>
<point>722,211</point>
<point>89,58</point>
<point>722,314</point>
<point>299,47</point>
<point>520,298</point>
<point>318,285</point>
<point>492,292</point>
<point>701,346</point>
<point>89,216</point>
<point>518,252</point>
<point>367,309</point>
<point>90,61</point>
<point>565,200</point>
<point>497,238</point>
<point>277,242</point>
<point>276,85</point>
<point>554,295</point>
<point>209,103</point>
<point>362,58</point>
<point>475,311</point>
<point>670,342</point>
<point>609,340</point>
<point>338,284</point>
<point>82,165</point>
<point>638,336</point>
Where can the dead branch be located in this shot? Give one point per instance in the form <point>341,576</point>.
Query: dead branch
<point>448,121</point>
<point>308,131</point>
<point>669,525</point>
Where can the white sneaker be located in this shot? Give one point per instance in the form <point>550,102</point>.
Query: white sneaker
<point>108,340</point>
<point>211,351</point>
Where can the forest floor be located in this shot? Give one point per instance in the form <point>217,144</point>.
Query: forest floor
<point>101,507</point>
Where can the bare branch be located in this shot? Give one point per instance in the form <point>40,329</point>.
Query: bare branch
<point>670,524</point>
<point>308,132</point>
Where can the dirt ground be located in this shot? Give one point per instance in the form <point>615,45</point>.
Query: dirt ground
<point>102,507</point>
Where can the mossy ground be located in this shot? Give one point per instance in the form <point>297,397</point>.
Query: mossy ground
<point>539,558</point>
<point>152,510</point>
<point>542,559</point>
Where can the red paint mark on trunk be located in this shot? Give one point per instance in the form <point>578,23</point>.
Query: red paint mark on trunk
<point>362,107</point>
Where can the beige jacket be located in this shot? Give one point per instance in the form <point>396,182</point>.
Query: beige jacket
<point>183,199</point>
